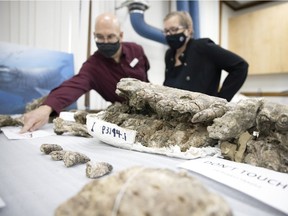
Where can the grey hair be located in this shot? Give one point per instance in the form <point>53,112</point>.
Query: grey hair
<point>184,18</point>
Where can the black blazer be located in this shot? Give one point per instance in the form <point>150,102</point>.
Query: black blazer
<point>202,63</point>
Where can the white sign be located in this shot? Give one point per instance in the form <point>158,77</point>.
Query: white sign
<point>110,133</point>
<point>12,132</point>
<point>265,185</point>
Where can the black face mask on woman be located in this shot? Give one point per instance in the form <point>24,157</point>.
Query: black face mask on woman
<point>175,41</point>
<point>108,49</point>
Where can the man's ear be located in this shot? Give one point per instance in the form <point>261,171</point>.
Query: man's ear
<point>121,36</point>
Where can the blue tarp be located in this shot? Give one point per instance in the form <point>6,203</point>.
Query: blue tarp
<point>28,73</point>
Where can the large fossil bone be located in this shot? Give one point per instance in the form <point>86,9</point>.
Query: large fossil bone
<point>218,120</point>
<point>138,190</point>
<point>165,101</point>
<point>164,116</point>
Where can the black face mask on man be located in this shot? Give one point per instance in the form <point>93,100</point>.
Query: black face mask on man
<point>175,41</point>
<point>108,49</point>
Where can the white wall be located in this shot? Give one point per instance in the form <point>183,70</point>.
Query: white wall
<point>63,25</point>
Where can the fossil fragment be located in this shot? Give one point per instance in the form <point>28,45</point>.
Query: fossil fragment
<point>267,152</point>
<point>7,120</point>
<point>77,129</point>
<point>235,121</point>
<point>228,150</point>
<point>57,155</point>
<point>80,116</point>
<point>97,169</point>
<point>215,110</point>
<point>243,140</point>
<point>72,158</point>
<point>145,191</point>
<point>272,117</point>
<point>236,151</point>
<point>48,148</point>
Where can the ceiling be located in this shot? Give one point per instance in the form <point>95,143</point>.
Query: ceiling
<point>237,5</point>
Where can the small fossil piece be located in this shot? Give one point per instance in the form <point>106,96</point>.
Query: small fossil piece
<point>77,129</point>
<point>48,148</point>
<point>97,169</point>
<point>145,191</point>
<point>235,151</point>
<point>80,116</point>
<point>72,158</point>
<point>7,120</point>
<point>57,155</point>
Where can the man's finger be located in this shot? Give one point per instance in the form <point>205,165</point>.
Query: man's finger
<point>27,127</point>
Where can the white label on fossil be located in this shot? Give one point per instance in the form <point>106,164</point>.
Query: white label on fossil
<point>269,186</point>
<point>110,133</point>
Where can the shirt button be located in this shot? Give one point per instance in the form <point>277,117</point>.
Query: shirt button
<point>171,59</point>
<point>185,64</point>
<point>187,78</point>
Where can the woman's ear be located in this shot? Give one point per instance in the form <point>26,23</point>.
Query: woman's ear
<point>188,32</point>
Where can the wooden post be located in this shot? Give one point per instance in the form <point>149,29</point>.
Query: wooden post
<point>87,95</point>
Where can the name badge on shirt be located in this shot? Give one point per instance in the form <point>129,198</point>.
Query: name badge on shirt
<point>134,62</point>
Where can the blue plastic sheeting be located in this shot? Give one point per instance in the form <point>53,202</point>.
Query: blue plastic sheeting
<point>27,73</point>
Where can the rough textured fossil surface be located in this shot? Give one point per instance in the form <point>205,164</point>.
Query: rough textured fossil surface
<point>73,158</point>
<point>57,155</point>
<point>123,194</point>
<point>252,131</point>
<point>80,116</point>
<point>77,129</point>
<point>69,158</point>
<point>165,101</point>
<point>267,152</point>
<point>7,120</point>
<point>236,120</point>
<point>48,148</point>
<point>156,132</point>
<point>97,169</point>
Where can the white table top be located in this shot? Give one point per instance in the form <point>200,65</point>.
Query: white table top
<point>31,183</point>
